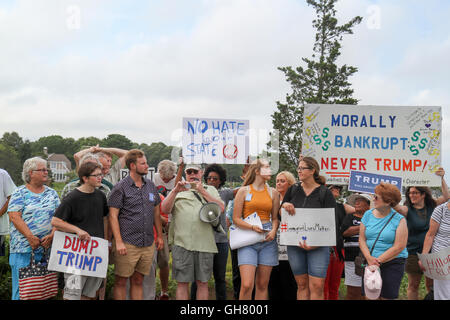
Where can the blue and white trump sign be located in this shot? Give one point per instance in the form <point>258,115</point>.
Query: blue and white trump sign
<point>366,182</point>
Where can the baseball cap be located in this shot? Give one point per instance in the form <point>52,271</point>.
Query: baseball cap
<point>363,196</point>
<point>193,166</point>
<point>372,282</point>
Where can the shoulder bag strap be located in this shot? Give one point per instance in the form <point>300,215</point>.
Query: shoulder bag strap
<point>198,197</point>
<point>381,232</point>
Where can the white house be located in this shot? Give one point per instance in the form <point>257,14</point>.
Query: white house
<point>59,165</point>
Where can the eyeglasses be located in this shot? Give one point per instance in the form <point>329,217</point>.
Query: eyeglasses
<point>100,175</point>
<point>412,193</point>
<point>212,178</point>
<point>303,168</point>
<point>42,170</point>
<point>191,171</point>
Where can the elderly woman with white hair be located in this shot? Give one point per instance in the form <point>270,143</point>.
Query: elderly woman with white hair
<point>165,178</point>
<point>30,209</point>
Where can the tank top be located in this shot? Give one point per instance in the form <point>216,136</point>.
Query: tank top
<point>260,202</point>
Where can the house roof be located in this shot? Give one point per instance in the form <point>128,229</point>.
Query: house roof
<point>60,157</point>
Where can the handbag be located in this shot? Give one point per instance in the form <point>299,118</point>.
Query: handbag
<point>360,260</point>
<point>36,282</point>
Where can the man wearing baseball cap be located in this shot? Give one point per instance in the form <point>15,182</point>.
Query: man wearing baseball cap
<point>350,232</point>
<point>192,240</point>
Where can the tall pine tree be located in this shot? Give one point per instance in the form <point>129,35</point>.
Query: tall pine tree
<point>321,81</point>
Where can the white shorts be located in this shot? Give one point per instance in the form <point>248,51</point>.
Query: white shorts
<point>77,286</point>
<point>351,278</point>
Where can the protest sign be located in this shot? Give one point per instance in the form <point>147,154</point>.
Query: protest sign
<point>316,226</point>
<point>387,140</point>
<point>125,172</point>
<point>215,140</point>
<point>366,182</point>
<point>437,265</point>
<point>71,255</point>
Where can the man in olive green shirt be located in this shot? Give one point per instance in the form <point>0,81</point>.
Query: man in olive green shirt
<point>192,240</point>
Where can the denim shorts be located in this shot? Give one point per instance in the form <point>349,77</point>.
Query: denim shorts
<point>261,253</point>
<point>313,262</point>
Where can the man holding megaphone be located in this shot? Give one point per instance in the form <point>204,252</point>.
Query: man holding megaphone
<point>192,240</point>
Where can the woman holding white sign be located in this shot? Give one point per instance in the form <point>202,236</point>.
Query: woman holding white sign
<point>259,258</point>
<point>418,208</point>
<point>382,239</point>
<point>436,239</point>
<point>309,264</point>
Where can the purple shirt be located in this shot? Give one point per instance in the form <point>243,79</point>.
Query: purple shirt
<point>136,213</point>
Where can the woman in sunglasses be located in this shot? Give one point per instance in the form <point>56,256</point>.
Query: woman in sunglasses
<point>418,208</point>
<point>382,239</point>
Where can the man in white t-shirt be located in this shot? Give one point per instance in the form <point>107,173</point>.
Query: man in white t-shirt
<point>7,187</point>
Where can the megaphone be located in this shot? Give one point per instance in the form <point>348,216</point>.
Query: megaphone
<point>210,213</point>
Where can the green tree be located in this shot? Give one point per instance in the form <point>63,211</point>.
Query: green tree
<point>55,144</point>
<point>23,148</point>
<point>156,152</point>
<point>118,141</point>
<point>320,81</point>
<point>88,142</point>
<point>10,161</point>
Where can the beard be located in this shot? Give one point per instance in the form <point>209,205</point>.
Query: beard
<point>142,173</point>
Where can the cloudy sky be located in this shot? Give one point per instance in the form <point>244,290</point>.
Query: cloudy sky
<point>83,68</point>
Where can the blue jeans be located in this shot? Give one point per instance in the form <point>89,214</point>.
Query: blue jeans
<point>313,262</point>
<point>17,261</point>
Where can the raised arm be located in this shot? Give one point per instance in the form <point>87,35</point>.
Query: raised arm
<point>444,188</point>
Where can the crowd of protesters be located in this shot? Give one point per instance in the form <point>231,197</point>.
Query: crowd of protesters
<point>147,223</point>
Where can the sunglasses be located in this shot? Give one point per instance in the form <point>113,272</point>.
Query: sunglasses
<point>191,171</point>
<point>303,168</point>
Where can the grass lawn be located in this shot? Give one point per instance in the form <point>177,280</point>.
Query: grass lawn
<point>342,288</point>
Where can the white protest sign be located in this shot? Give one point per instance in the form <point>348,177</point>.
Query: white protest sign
<point>316,226</point>
<point>215,140</point>
<point>71,255</point>
<point>150,175</point>
<point>386,140</point>
<point>437,265</point>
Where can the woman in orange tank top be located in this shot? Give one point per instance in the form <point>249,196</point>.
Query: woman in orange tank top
<point>257,196</point>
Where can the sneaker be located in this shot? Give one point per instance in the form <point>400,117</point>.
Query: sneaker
<point>164,296</point>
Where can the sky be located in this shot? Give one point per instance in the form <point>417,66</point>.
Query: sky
<point>84,68</point>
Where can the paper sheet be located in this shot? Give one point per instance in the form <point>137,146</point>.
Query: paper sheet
<point>241,238</point>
